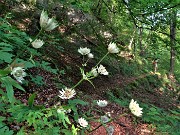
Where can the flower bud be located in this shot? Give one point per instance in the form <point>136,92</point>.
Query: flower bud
<point>47,23</point>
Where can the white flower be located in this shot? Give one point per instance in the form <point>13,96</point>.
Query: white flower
<point>61,110</point>
<point>94,72</point>
<point>84,51</point>
<point>135,109</point>
<point>102,103</point>
<point>18,73</point>
<point>67,93</point>
<point>82,122</point>
<point>37,43</point>
<point>90,56</point>
<point>110,130</point>
<point>102,70</point>
<point>47,23</point>
<point>104,119</point>
<point>112,48</point>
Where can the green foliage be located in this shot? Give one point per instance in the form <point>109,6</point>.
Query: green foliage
<point>38,80</point>
<point>3,128</point>
<point>6,50</point>
<point>8,82</point>
<point>31,100</point>
<point>163,120</point>
<point>46,66</point>
<point>10,40</point>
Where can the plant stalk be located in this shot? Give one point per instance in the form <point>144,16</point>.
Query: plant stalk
<point>77,83</point>
<point>101,59</point>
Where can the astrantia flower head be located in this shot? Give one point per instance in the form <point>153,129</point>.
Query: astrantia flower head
<point>67,93</point>
<point>84,51</point>
<point>90,56</point>
<point>135,109</point>
<point>47,23</point>
<point>102,103</point>
<point>112,48</point>
<point>18,73</point>
<point>37,43</point>
<point>82,122</point>
<point>110,130</point>
<point>102,70</point>
<point>104,119</point>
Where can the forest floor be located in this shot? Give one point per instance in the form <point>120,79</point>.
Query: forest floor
<point>125,125</point>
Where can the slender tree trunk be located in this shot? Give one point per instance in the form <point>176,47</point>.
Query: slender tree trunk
<point>140,42</point>
<point>172,42</point>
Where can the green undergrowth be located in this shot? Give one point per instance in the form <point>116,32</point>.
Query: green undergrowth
<point>164,119</point>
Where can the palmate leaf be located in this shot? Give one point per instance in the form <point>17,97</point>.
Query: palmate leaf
<point>64,119</point>
<point>5,50</point>
<point>4,130</point>
<point>5,56</point>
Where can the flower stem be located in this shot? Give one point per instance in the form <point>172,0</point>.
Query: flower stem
<point>26,47</point>
<point>101,59</point>
<point>77,83</point>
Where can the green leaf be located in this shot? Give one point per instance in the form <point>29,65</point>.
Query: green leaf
<point>31,100</point>
<point>64,119</point>
<point>77,101</point>
<point>15,84</point>
<point>5,56</point>
<point>5,131</point>
<point>4,72</point>
<point>21,131</point>
<point>9,89</point>
<point>66,131</point>
<point>74,130</point>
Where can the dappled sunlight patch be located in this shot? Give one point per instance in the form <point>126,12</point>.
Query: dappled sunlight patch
<point>21,26</point>
<point>127,55</point>
<point>145,129</point>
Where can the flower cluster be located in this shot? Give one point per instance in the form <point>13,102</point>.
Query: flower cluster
<point>102,103</point>
<point>104,119</point>
<point>18,73</point>
<point>135,109</point>
<point>82,122</point>
<point>86,51</point>
<point>67,93</point>
<point>47,23</point>
<point>99,70</point>
<point>110,130</point>
<point>102,70</point>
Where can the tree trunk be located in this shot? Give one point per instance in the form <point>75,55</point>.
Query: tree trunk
<point>140,42</point>
<point>172,42</point>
